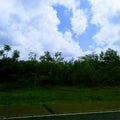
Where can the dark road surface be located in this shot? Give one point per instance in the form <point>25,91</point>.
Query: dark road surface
<point>91,116</point>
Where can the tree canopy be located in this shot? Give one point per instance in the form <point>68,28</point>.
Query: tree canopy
<point>87,71</point>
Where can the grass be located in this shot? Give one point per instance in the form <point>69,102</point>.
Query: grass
<point>37,96</point>
<point>60,99</point>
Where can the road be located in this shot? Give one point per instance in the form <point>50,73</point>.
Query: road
<point>91,116</point>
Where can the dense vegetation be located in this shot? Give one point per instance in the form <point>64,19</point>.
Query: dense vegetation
<point>87,71</point>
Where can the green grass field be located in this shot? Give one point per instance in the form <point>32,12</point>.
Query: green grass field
<point>27,102</point>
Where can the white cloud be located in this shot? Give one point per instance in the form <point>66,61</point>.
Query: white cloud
<point>34,27</point>
<point>79,21</point>
<point>106,15</point>
<point>73,46</point>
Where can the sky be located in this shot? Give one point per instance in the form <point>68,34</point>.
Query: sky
<point>73,27</point>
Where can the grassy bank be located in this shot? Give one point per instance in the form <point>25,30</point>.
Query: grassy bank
<point>37,96</point>
<point>60,99</point>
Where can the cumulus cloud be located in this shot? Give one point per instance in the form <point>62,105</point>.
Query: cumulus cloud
<point>79,19</point>
<point>79,22</point>
<point>33,26</point>
<point>106,14</point>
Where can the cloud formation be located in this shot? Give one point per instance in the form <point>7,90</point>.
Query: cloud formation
<point>106,16</point>
<point>33,26</point>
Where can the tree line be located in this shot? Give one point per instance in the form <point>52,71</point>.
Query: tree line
<point>91,70</point>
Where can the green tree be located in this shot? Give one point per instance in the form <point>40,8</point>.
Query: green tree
<point>110,56</point>
<point>2,53</point>
<point>101,56</point>
<point>90,57</point>
<point>7,48</point>
<point>46,57</point>
<point>15,55</point>
<point>32,56</point>
<point>58,57</point>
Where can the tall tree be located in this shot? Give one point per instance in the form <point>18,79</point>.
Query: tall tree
<point>90,57</point>
<point>7,48</point>
<point>111,56</point>
<point>2,53</point>
<point>46,57</point>
<point>101,56</point>
<point>58,57</point>
<point>32,56</point>
<point>15,55</point>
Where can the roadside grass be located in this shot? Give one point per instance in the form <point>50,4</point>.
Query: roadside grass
<point>50,95</point>
<point>20,110</point>
<point>25,102</point>
<point>83,107</point>
<point>65,108</point>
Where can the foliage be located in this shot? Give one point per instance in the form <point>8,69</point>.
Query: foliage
<point>88,71</point>
<point>32,56</point>
<point>15,55</point>
<point>7,48</point>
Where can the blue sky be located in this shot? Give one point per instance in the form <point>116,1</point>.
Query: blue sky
<point>73,27</point>
<point>64,16</point>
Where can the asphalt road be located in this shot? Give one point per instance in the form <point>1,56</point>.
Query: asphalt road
<point>91,116</point>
